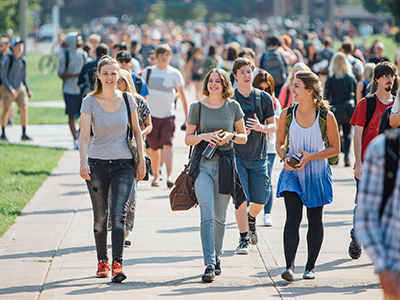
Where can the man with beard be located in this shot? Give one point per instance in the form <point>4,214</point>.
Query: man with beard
<point>365,120</point>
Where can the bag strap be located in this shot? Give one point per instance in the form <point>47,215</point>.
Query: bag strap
<point>197,132</point>
<point>128,108</point>
<point>258,103</point>
<point>287,97</point>
<point>391,163</point>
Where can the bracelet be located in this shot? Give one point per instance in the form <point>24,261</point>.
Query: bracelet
<point>234,137</point>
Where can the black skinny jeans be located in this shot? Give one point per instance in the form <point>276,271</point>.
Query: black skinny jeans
<point>117,175</point>
<point>315,234</point>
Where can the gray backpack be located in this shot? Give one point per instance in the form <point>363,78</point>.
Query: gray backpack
<point>273,62</point>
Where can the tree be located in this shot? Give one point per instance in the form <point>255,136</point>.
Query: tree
<point>373,6</point>
<point>9,14</point>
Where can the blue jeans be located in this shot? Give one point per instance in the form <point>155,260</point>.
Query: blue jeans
<point>268,205</point>
<point>255,180</point>
<point>117,175</point>
<point>213,206</point>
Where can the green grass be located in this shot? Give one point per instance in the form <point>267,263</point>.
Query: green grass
<point>43,87</point>
<point>43,115</point>
<point>390,44</point>
<point>22,171</point>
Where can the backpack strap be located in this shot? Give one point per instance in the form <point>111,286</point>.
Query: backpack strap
<point>289,117</point>
<point>371,105</point>
<point>258,103</point>
<point>149,69</point>
<point>138,83</point>
<point>391,163</point>
<point>66,60</point>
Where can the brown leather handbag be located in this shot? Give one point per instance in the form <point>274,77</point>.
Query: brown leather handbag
<point>182,196</point>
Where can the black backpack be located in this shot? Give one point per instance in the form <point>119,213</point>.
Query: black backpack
<point>273,62</point>
<point>391,164</point>
<point>371,105</point>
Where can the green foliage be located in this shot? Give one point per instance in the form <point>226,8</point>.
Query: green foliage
<point>9,14</point>
<point>393,6</point>
<point>179,11</point>
<point>373,6</point>
<point>23,170</point>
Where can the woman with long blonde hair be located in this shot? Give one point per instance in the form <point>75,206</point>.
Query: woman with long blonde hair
<point>340,89</point>
<point>106,163</point>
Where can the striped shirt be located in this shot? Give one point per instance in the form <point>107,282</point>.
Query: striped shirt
<point>381,238</point>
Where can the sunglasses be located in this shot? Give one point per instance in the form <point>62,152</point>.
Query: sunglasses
<point>268,89</point>
<point>125,60</point>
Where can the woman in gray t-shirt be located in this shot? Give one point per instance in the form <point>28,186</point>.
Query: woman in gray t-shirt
<point>107,162</point>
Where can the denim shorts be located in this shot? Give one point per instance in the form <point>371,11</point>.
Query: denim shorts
<point>255,180</point>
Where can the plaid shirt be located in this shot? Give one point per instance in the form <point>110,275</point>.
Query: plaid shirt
<point>381,239</point>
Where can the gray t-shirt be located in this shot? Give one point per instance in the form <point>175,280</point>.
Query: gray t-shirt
<point>256,146</point>
<point>109,128</point>
<point>212,119</point>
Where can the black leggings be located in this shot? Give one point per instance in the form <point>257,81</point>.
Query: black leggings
<point>315,234</point>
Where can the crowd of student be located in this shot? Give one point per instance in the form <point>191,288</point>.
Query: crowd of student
<point>298,98</point>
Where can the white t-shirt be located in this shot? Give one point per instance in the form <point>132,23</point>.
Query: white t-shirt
<point>162,84</point>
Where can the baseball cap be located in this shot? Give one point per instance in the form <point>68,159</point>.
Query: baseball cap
<point>123,55</point>
<point>16,41</point>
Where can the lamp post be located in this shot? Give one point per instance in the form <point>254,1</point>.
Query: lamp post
<point>23,7</point>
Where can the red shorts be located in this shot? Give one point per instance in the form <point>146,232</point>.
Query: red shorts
<point>162,133</point>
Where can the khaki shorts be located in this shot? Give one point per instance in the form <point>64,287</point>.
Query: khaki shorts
<point>8,99</point>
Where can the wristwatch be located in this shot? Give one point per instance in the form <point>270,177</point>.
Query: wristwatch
<point>234,137</point>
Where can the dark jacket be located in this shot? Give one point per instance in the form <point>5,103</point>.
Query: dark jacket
<point>340,90</point>
<point>229,181</point>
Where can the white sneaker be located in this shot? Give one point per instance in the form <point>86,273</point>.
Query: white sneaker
<point>268,220</point>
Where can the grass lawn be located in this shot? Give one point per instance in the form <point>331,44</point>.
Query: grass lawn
<point>390,44</point>
<point>23,170</point>
<point>43,115</point>
<point>43,87</point>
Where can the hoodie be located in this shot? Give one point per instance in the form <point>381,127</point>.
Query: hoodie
<point>77,59</point>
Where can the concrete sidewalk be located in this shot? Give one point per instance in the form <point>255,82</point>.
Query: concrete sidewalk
<point>49,252</point>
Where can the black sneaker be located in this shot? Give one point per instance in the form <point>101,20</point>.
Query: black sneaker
<point>128,243</point>
<point>243,247</point>
<point>253,233</point>
<point>218,267</point>
<point>354,250</point>
<point>25,138</point>
<point>209,274</point>
<point>3,138</point>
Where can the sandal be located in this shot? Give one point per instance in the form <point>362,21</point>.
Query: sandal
<point>170,183</point>
<point>155,183</point>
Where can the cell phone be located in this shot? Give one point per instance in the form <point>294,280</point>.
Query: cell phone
<point>295,159</point>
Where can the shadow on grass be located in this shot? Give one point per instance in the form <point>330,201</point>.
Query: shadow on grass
<point>30,173</point>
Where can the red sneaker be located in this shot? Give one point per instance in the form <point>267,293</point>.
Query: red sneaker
<point>117,273</point>
<point>103,270</point>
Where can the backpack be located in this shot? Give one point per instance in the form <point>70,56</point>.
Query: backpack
<point>11,57</point>
<point>209,64</point>
<point>371,105</point>
<point>273,62</point>
<point>258,103</point>
<point>322,126</point>
<point>391,164</point>
<point>384,123</point>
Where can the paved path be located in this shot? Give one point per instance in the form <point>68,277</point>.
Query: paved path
<point>49,252</point>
